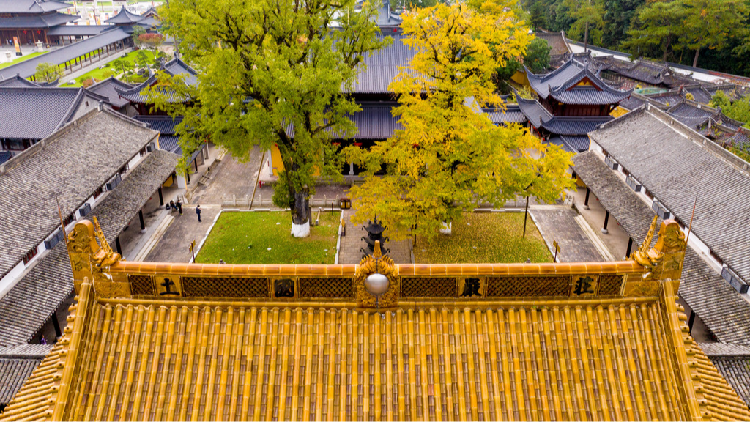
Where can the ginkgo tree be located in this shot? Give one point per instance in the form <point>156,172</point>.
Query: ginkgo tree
<point>270,73</point>
<point>449,157</point>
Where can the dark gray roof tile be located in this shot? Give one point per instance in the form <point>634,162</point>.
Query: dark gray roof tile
<point>27,68</point>
<point>34,112</point>
<point>737,373</point>
<point>719,305</point>
<point>672,162</point>
<point>71,164</point>
<point>28,304</point>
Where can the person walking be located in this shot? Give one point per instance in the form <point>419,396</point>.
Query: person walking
<point>179,206</point>
<point>198,211</point>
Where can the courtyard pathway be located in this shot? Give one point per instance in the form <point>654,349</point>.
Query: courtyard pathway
<point>559,224</point>
<point>349,251</point>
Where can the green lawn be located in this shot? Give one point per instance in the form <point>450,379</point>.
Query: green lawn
<point>246,237</point>
<point>22,58</point>
<point>485,238</point>
<point>98,74</point>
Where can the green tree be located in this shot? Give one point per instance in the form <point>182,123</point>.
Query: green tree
<point>449,157</point>
<point>119,66</point>
<point>737,110</point>
<point>618,17</point>
<point>537,55</point>
<point>711,23</point>
<point>48,72</point>
<point>142,59</point>
<point>536,59</point>
<point>137,32</point>
<point>659,26</point>
<point>265,67</point>
<point>588,17</point>
<point>537,16</point>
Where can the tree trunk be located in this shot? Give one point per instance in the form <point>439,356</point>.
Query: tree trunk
<point>586,38</point>
<point>695,59</point>
<point>301,214</point>
<point>666,49</point>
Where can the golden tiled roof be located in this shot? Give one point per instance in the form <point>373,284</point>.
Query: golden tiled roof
<point>164,356</point>
<point>221,360</point>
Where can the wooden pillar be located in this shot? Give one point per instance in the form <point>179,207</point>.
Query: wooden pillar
<point>56,324</point>
<point>691,321</point>
<point>117,245</point>
<point>630,247</point>
<point>586,201</point>
<point>196,164</point>
<point>161,196</point>
<point>606,220</point>
<point>143,223</point>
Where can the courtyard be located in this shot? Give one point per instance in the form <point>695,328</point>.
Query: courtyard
<point>264,237</point>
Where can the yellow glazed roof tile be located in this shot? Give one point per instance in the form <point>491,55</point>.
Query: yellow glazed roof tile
<point>147,360</point>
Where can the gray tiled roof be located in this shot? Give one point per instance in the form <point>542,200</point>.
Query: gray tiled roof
<point>16,82</point>
<point>737,373</point>
<point>380,67</point>
<point>71,164</point>
<point>533,111</point>
<point>511,114</point>
<point>31,6</point>
<point>574,125</point>
<point>28,305</point>
<point>374,121</point>
<point>724,349</point>
<point>576,143</point>
<point>61,55</point>
<point>106,88</point>
<point>556,41</point>
<point>13,374</point>
<point>78,30</point>
<point>174,67</point>
<point>631,103</point>
<point>34,112</point>
<point>676,165</point>
<point>164,124</point>
<point>124,16</point>
<point>719,305</point>
<point>561,85</point>
<point>170,143</point>
<point>37,21</point>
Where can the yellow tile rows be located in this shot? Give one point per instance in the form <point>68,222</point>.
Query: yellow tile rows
<point>190,361</point>
<point>623,267</point>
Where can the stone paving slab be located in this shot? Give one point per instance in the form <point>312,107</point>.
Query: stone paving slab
<point>231,177</point>
<point>560,225</point>
<point>349,251</point>
<point>185,228</point>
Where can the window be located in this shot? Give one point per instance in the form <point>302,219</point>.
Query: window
<point>98,192</point>
<point>29,256</point>
<point>69,219</point>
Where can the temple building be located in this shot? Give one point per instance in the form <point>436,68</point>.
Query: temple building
<point>33,113</point>
<point>578,341</point>
<point>124,18</point>
<point>31,20</point>
<point>98,165</point>
<point>664,168</point>
<point>571,102</point>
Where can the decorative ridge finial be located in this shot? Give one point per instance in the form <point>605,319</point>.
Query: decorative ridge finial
<point>641,255</point>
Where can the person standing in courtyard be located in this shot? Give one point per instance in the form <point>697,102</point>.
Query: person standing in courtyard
<point>198,211</point>
<point>179,205</point>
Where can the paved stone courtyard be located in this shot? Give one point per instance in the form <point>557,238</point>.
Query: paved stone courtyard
<point>559,225</point>
<point>349,252</point>
<point>231,178</point>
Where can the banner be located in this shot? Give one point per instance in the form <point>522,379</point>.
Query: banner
<point>17,44</point>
